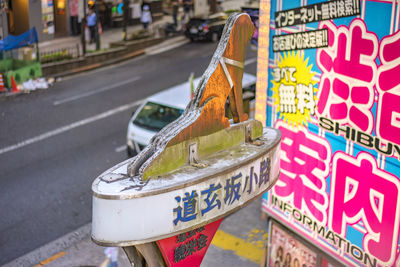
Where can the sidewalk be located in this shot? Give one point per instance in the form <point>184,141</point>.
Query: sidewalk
<point>115,34</point>
<point>239,242</point>
<point>108,36</point>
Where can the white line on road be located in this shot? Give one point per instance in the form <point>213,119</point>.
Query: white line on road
<point>155,51</point>
<point>87,120</point>
<point>120,148</point>
<point>106,88</point>
<point>250,61</point>
<point>70,126</point>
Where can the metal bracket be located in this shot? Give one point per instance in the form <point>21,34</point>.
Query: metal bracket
<point>248,133</point>
<point>248,130</point>
<point>193,159</point>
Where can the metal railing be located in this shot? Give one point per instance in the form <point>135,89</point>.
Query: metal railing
<point>60,54</point>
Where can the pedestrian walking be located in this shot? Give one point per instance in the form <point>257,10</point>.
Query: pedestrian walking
<point>187,9</point>
<point>219,7</point>
<point>146,17</point>
<point>91,23</point>
<point>175,8</point>
<point>111,257</point>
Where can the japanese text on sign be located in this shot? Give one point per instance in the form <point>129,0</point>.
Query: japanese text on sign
<point>300,40</point>
<point>317,12</point>
<point>198,203</point>
<point>339,184</point>
<point>189,245</point>
<point>354,119</point>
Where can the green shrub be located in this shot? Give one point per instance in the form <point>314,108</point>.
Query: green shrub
<point>56,56</point>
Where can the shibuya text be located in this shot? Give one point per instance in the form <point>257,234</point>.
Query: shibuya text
<point>361,138</point>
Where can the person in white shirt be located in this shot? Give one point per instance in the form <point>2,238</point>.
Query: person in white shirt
<point>146,17</point>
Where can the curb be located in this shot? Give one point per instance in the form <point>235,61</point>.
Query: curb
<point>100,65</point>
<point>46,251</point>
<point>178,40</point>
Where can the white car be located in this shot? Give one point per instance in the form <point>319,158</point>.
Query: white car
<point>162,108</point>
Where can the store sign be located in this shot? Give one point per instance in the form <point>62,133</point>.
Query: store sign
<point>115,216</point>
<point>189,248</point>
<point>335,98</point>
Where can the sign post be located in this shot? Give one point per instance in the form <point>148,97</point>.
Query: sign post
<point>165,205</point>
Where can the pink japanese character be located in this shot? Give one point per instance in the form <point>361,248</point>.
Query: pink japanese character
<point>305,161</point>
<point>362,192</point>
<point>388,114</point>
<point>346,92</point>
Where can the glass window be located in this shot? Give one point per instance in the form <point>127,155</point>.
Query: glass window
<point>155,116</point>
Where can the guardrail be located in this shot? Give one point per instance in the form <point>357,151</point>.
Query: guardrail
<point>60,54</point>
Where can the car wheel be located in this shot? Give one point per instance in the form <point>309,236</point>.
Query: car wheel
<point>130,152</point>
<point>214,37</point>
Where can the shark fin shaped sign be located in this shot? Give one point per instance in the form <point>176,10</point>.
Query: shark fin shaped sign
<point>195,171</point>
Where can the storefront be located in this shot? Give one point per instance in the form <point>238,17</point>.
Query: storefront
<point>329,74</point>
<point>49,17</point>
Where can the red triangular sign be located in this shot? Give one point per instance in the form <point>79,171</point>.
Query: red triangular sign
<point>188,249</point>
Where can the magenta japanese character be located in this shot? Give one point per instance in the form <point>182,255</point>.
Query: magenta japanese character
<point>304,166</point>
<point>346,88</point>
<point>362,192</point>
<point>388,113</point>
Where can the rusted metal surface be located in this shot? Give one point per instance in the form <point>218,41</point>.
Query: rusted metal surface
<point>205,114</point>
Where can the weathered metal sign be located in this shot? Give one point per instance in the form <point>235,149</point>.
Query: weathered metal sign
<point>194,172</point>
<point>125,213</point>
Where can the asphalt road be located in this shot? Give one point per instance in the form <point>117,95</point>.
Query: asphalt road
<point>54,143</point>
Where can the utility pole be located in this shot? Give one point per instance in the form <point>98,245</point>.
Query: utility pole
<point>126,18</point>
<point>96,10</point>
<point>83,26</point>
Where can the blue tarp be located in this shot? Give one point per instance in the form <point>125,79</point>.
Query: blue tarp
<point>11,42</point>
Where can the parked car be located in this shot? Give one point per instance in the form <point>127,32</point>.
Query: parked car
<point>206,28</point>
<point>163,108</point>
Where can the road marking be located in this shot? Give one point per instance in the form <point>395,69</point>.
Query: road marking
<point>240,247</point>
<point>52,258</point>
<point>86,94</point>
<point>70,126</point>
<point>120,148</point>
<point>157,50</point>
<point>250,61</point>
<point>53,248</point>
